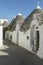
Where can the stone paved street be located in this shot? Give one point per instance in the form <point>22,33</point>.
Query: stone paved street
<point>15,55</point>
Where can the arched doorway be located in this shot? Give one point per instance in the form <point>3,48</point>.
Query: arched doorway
<point>34,38</point>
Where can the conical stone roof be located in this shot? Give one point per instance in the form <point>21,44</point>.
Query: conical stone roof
<point>28,20</point>
<point>19,19</point>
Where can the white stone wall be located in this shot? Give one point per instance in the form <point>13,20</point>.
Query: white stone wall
<point>7,34</point>
<point>23,41</point>
<point>40,52</point>
<point>34,22</point>
<point>14,37</point>
<point>10,34</point>
<point>1,36</point>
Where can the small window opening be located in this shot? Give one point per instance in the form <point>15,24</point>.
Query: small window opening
<point>36,27</point>
<point>27,37</point>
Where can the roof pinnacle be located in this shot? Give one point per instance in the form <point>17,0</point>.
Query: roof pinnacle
<point>38,6</point>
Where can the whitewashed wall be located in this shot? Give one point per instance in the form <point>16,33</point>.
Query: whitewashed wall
<point>40,52</point>
<point>10,34</point>
<point>14,37</point>
<point>23,41</point>
<point>7,34</point>
<point>1,36</point>
<point>34,22</point>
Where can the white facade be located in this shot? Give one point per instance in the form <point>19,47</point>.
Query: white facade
<point>7,34</point>
<point>1,36</point>
<point>14,37</point>
<point>2,24</point>
<point>23,41</point>
<point>3,20</point>
<point>40,52</point>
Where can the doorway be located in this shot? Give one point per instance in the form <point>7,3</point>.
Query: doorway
<point>37,40</point>
<point>34,39</point>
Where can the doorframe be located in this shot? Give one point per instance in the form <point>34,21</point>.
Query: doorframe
<point>33,45</point>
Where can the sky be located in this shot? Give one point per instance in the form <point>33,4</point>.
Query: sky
<point>10,8</point>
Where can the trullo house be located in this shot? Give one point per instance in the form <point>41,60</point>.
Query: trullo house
<point>28,32</point>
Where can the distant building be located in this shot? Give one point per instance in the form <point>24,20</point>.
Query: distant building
<point>28,32</point>
<point>3,24</point>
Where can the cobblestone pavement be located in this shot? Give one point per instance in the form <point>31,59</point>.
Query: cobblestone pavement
<point>15,55</point>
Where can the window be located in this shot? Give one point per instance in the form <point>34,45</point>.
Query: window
<point>27,37</point>
<point>36,27</point>
<point>11,37</point>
